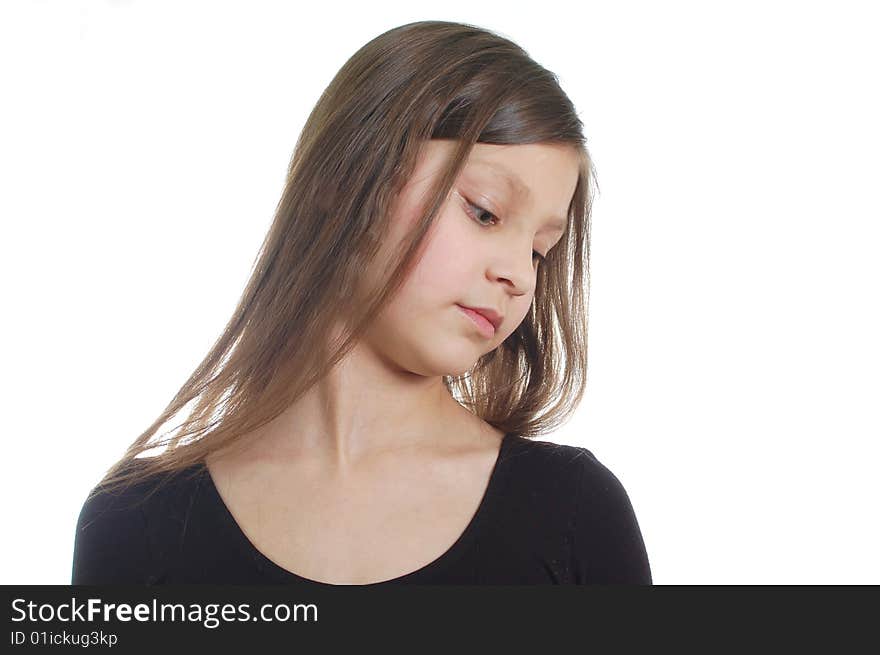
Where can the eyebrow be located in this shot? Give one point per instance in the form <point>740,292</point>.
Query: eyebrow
<point>514,180</point>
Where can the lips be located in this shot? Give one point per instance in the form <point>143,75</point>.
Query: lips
<point>487,313</point>
<point>480,322</point>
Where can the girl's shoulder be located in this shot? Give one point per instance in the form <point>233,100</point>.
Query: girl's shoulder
<point>116,539</point>
<point>547,458</point>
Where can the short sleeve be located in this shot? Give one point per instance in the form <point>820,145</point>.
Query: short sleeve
<point>110,544</point>
<point>607,543</point>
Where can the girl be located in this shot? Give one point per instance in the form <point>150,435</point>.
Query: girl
<point>415,317</point>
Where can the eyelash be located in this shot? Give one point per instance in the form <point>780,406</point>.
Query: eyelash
<point>535,253</point>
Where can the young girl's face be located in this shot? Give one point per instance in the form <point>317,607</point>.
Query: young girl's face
<point>508,206</point>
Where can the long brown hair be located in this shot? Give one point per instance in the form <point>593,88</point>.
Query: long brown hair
<point>420,81</point>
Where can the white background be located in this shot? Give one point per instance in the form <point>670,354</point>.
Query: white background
<point>733,381</point>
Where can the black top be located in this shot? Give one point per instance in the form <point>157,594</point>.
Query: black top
<point>551,514</point>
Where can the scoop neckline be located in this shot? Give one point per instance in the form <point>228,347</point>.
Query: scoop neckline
<point>449,556</point>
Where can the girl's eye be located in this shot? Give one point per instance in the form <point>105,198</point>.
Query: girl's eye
<point>475,215</point>
<point>479,209</point>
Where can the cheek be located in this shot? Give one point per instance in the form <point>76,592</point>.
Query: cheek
<point>445,272</point>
